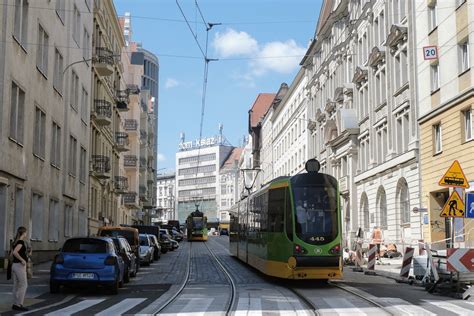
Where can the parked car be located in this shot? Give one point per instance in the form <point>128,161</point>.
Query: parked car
<point>174,244</point>
<point>156,245</point>
<point>178,236</point>
<point>153,230</point>
<point>129,258</point>
<point>129,233</point>
<point>146,249</point>
<point>88,261</point>
<point>166,236</point>
<point>165,244</point>
<point>224,232</point>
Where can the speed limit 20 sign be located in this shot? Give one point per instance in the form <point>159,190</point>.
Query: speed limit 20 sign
<point>430,52</point>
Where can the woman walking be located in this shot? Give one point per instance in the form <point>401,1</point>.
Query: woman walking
<point>20,260</point>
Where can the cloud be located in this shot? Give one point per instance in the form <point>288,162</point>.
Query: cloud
<point>232,43</point>
<point>161,157</point>
<point>278,56</point>
<point>171,83</point>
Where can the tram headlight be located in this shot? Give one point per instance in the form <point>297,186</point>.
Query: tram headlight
<point>336,250</point>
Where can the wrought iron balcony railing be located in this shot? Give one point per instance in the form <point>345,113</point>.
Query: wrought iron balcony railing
<point>101,166</point>
<point>130,125</point>
<point>130,161</point>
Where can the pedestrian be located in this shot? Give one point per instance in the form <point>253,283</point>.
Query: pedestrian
<point>377,239</point>
<point>20,260</point>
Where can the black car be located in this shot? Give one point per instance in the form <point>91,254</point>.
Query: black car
<point>156,245</point>
<point>129,258</point>
<point>165,242</point>
<point>224,231</point>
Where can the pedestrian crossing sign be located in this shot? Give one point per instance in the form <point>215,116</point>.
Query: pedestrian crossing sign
<point>454,177</point>
<point>454,207</point>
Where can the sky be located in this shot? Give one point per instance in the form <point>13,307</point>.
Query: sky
<point>252,34</point>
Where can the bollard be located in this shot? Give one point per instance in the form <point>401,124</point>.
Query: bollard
<point>407,258</point>
<point>359,259</point>
<point>371,263</point>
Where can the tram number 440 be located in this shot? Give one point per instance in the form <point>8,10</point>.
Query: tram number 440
<point>316,238</point>
<point>430,52</point>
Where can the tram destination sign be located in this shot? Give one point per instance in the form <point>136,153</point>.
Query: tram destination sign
<point>199,143</point>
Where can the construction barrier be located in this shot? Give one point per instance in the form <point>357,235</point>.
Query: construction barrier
<point>406,265</point>
<point>371,264</point>
<point>359,261</point>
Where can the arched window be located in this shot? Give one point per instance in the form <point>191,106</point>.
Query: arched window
<point>364,208</point>
<point>403,201</point>
<point>382,207</point>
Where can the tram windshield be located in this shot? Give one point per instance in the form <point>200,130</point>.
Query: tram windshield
<point>315,213</point>
<point>198,223</point>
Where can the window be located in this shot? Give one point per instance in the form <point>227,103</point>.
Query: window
<point>39,134</point>
<point>467,123</point>
<point>432,18</point>
<point>72,155</point>
<point>463,57</point>
<point>42,51</point>
<point>82,222</point>
<point>76,25</point>
<point>53,233</point>
<point>19,202</point>
<point>61,9</point>
<point>403,201</point>
<point>382,207</point>
<point>37,210</point>
<point>68,220</point>
<point>20,26</point>
<point>438,142</point>
<point>86,46</point>
<point>434,77</point>
<point>17,113</point>
<point>58,72</point>
<point>84,106</point>
<point>403,130</point>
<point>56,146</point>
<point>74,90</point>
<point>83,166</point>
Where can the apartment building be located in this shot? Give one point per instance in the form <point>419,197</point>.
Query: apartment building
<point>45,89</point>
<point>445,98</point>
<point>229,175</point>
<point>109,100</point>
<point>166,196</point>
<point>363,120</point>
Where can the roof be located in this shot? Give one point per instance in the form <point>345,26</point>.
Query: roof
<point>260,107</point>
<point>234,155</point>
<point>326,10</point>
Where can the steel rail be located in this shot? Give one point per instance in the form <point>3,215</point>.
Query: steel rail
<point>181,288</point>
<point>305,300</point>
<point>233,290</point>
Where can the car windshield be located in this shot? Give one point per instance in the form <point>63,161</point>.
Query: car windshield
<point>127,234</point>
<point>85,246</point>
<point>144,241</point>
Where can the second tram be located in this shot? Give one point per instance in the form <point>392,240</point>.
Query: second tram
<point>196,225</point>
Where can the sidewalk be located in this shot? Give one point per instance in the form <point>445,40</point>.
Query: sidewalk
<point>386,267</point>
<point>37,286</point>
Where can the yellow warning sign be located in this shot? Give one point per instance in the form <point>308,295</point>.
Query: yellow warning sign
<point>454,177</point>
<point>454,207</point>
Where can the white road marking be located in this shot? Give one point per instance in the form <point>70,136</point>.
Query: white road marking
<point>341,306</point>
<point>453,308</point>
<point>247,306</point>
<point>405,307</point>
<point>122,307</point>
<point>75,308</point>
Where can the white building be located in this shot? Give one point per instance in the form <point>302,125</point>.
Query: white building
<point>197,176</point>
<point>229,181</point>
<point>165,197</point>
<point>363,121</point>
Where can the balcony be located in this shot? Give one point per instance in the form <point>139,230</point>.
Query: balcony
<point>151,177</point>
<point>104,61</point>
<point>130,125</point>
<point>130,161</point>
<point>133,89</point>
<point>121,184</point>
<point>101,166</point>
<point>102,112</point>
<point>143,136</point>
<point>143,193</point>
<point>121,142</point>
<point>122,100</point>
<point>143,164</point>
<point>130,199</point>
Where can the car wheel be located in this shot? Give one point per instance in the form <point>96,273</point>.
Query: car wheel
<point>134,273</point>
<point>156,255</point>
<point>54,287</point>
<point>114,288</point>
<point>164,250</point>
<point>120,283</point>
<point>126,276</point>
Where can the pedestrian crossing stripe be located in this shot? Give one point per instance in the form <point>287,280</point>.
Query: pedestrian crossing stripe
<point>454,207</point>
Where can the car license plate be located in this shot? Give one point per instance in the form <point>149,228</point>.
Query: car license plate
<point>87,276</point>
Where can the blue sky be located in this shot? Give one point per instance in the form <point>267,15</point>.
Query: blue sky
<point>252,33</point>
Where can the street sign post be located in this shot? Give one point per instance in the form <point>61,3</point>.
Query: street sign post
<point>454,177</point>
<point>469,211</point>
<point>460,260</point>
<point>454,207</point>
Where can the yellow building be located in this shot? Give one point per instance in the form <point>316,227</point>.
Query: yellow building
<point>445,99</point>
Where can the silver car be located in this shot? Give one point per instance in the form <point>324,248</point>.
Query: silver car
<point>146,249</point>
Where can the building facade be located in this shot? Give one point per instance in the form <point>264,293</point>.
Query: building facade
<point>166,197</point>
<point>44,121</point>
<point>229,175</point>
<point>445,98</point>
<point>197,177</point>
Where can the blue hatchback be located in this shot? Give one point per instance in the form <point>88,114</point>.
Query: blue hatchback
<point>88,261</point>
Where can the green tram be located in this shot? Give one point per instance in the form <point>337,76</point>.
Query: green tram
<point>196,225</point>
<point>291,228</point>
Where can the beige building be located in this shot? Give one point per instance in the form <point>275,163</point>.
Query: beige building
<point>445,98</point>
<point>45,97</point>
<point>109,102</point>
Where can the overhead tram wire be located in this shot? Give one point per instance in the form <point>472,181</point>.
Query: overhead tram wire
<point>204,52</point>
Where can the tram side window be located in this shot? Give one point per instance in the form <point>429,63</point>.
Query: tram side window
<point>288,215</point>
<point>276,207</point>
<point>264,213</point>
